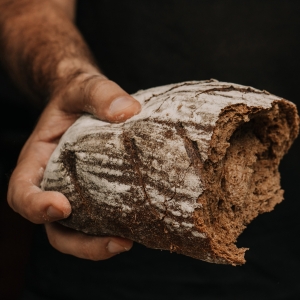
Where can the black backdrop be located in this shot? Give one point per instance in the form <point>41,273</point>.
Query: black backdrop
<point>141,44</point>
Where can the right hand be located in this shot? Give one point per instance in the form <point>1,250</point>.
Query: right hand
<point>90,93</point>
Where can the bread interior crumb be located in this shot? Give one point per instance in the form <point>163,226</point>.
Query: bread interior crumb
<point>242,178</point>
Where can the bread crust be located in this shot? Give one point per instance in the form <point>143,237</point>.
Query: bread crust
<point>167,177</point>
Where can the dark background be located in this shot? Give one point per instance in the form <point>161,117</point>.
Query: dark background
<point>141,44</point>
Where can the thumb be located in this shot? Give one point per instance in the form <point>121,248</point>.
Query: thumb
<point>101,97</point>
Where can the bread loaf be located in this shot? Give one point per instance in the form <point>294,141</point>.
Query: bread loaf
<point>187,174</point>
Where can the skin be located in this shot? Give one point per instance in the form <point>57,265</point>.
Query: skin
<point>47,57</point>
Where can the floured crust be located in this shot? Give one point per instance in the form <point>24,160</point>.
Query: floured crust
<point>187,174</point>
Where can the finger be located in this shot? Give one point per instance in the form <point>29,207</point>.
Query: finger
<point>72,242</point>
<point>102,98</point>
<point>24,195</point>
<point>38,206</point>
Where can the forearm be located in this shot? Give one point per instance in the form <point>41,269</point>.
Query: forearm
<point>40,45</point>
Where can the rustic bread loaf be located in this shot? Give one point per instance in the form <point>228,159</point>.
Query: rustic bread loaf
<point>187,174</point>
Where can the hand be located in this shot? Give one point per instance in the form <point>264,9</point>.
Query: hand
<point>86,93</point>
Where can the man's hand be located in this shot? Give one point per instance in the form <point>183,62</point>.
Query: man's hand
<point>47,57</point>
<point>86,93</point>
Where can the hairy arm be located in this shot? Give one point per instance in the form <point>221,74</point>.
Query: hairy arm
<point>48,58</point>
<point>41,47</point>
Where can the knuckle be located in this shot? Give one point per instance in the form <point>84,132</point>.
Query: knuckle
<point>93,85</point>
<point>31,211</point>
<point>88,253</point>
<point>88,86</point>
<point>18,206</point>
<point>93,252</point>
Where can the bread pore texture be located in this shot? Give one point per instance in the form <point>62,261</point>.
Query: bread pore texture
<point>187,174</point>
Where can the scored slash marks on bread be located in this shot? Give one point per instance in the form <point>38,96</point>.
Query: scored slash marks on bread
<point>187,174</point>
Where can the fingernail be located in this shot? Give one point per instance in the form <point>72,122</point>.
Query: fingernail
<point>55,213</point>
<point>120,104</point>
<point>114,248</point>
